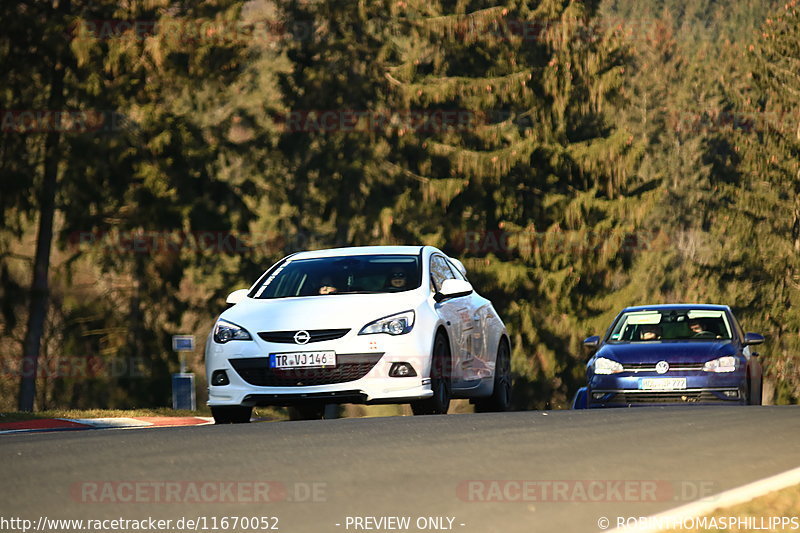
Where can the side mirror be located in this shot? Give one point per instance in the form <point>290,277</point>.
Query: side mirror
<point>453,288</point>
<point>751,339</point>
<point>592,342</point>
<point>237,296</point>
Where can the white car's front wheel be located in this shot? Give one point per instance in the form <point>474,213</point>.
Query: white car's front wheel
<point>441,382</point>
<point>311,411</point>
<point>231,414</point>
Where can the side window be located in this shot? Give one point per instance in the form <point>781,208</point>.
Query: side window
<point>440,271</point>
<point>456,272</point>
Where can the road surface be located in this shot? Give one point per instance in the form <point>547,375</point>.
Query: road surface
<point>537,471</point>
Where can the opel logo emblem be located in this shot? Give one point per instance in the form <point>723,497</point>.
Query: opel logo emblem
<point>662,367</point>
<point>302,337</point>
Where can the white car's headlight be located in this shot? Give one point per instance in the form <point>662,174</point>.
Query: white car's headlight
<point>225,331</point>
<point>723,364</point>
<point>393,324</point>
<point>606,366</point>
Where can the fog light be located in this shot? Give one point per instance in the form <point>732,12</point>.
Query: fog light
<point>219,378</point>
<point>598,395</point>
<point>402,370</point>
<point>731,393</point>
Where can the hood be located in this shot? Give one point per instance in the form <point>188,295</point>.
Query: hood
<point>669,351</point>
<point>332,311</point>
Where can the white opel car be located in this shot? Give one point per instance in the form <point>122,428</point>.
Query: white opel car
<point>376,324</point>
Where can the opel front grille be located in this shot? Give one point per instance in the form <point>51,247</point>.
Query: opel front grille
<point>315,335</point>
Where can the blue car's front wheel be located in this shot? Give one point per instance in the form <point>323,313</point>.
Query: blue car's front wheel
<point>580,399</point>
<point>754,392</point>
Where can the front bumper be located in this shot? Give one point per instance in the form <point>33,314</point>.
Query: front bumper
<point>366,390</point>
<point>702,388</point>
<point>361,375</point>
<point>630,398</point>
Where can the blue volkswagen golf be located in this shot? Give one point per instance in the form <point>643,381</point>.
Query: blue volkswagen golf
<point>672,354</point>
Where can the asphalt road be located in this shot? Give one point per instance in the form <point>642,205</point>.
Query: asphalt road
<point>438,466</point>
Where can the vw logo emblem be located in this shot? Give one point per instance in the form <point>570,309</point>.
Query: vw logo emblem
<point>302,337</point>
<point>662,367</point>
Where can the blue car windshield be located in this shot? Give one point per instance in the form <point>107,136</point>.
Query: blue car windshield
<point>671,324</point>
<point>357,274</point>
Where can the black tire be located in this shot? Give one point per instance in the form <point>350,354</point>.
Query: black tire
<point>231,414</point>
<point>500,400</point>
<point>307,411</point>
<point>755,394</point>
<point>441,382</point>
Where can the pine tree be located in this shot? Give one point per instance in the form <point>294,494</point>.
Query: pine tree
<point>523,185</point>
<point>764,208</point>
<point>175,172</point>
<point>156,156</point>
<point>335,189</point>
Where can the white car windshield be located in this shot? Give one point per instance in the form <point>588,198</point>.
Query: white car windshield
<point>356,274</point>
<point>671,324</point>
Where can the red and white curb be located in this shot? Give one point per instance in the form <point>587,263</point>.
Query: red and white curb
<point>68,424</point>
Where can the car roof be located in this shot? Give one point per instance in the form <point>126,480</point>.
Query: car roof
<point>657,307</point>
<point>359,250</point>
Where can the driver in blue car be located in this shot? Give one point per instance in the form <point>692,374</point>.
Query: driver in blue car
<point>700,328</point>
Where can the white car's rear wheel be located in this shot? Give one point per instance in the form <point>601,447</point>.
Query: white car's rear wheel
<point>441,383</point>
<point>500,400</point>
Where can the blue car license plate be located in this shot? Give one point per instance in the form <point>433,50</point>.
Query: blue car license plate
<point>662,383</point>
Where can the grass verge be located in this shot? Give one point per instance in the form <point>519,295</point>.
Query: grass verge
<point>755,515</point>
<point>16,416</point>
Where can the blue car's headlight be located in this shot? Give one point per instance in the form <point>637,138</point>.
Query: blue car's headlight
<point>225,331</point>
<point>393,324</point>
<point>723,364</point>
<point>606,366</point>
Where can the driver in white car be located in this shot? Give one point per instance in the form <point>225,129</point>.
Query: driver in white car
<point>397,279</point>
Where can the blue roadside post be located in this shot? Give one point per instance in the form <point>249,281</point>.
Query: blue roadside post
<point>183,396</point>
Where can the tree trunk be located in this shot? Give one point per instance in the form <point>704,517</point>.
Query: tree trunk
<point>39,294</point>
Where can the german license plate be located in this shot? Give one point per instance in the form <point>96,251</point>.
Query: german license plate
<point>325,359</point>
<point>662,383</point>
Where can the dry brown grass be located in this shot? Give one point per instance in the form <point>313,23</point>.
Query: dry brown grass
<point>782,503</point>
